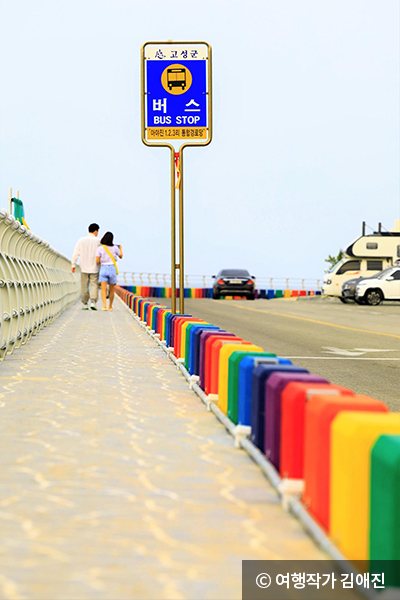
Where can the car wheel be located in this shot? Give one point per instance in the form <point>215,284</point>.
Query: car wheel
<point>216,296</point>
<point>359,300</point>
<point>251,296</point>
<point>373,297</point>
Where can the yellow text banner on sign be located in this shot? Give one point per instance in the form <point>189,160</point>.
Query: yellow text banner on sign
<point>177,133</point>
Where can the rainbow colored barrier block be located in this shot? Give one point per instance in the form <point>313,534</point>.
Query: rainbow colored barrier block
<point>185,332</point>
<point>261,375</point>
<point>353,436</point>
<point>216,347</point>
<point>233,379</point>
<point>204,351</point>
<point>246,368</point>
<point>320,412</point>
<point>180,334</point>
<point>226,352</point>
<point>274,388</point>
<point>293,410</point>
<point>192,341</point>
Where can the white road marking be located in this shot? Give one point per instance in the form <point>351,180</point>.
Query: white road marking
<point>354,352</point>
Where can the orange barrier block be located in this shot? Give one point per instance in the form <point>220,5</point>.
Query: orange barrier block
<point>320,412</point>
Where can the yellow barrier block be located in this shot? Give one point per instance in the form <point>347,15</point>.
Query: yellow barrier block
<point>287,294</point>
<point>353,435</point>
<point>182,349</point>
<point>224,354</point>
<point>164,325</point>
<point>150,315</point>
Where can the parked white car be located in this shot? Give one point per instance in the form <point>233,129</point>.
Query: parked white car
<point>385,286</point>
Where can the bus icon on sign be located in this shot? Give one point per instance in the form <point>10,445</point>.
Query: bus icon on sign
<point>176,78</point>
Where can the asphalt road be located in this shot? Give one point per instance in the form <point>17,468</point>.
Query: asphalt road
<point>350,345</point>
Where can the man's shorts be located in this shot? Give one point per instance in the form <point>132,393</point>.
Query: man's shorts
<point>108,273</point>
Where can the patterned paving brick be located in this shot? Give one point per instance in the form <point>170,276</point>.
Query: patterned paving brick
<point>115,482</point>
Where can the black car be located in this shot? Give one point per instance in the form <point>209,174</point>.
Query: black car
<point>234,282</point>
<point>349,289</point>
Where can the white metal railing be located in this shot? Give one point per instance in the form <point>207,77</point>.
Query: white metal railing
<point>206,281</point>
<point>36,284</point>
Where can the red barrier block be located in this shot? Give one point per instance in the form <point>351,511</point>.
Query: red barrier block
<point>176,337</point>
<point>204,338</point>
<point>160,320</point>
<point>320,412</point>
<point>293,406</point>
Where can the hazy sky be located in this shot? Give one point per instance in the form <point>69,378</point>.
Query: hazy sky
<point>306,128</point>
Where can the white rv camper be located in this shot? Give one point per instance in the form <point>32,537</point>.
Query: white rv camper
<point>366,256</point>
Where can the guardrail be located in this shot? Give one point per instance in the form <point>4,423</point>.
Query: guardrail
<point>36,284</point>
<point>128,278</point>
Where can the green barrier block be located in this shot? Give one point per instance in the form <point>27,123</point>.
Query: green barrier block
<point>187,337</point>
<point>278,294</point>
<point>385,501</point>
<point>233,379</point>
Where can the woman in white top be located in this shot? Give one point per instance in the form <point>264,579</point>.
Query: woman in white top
<point>107,255</point>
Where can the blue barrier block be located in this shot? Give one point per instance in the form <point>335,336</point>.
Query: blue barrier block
<point>259,378</point>
<point>170,316</point>
<point>194,340</point>
<point>271,294</point>
<point>262,294</point>
<point>156,314</point>
<point>246,368</point>
<point>318,293</point>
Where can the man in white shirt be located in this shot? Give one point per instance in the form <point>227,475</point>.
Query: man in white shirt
<point>85,250</point>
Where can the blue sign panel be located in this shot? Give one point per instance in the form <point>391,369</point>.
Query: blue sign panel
<point>176,93</point>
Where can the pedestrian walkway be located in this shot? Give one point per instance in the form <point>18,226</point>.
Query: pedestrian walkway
<point>115,481</point>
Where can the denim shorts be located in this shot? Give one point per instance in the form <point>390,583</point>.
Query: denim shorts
<point>108,273</point>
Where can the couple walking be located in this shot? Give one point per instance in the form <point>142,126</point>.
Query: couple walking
<point>95,255</point>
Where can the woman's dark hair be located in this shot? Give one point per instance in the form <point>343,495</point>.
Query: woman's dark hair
<point>107,239</point>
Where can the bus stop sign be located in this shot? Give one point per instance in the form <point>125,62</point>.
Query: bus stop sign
<point>176,92</point>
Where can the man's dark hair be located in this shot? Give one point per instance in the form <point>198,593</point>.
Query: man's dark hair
<point>107,239</point>
<point>93,227</point>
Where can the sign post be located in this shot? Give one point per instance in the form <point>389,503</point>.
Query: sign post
<point>176,113</point>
